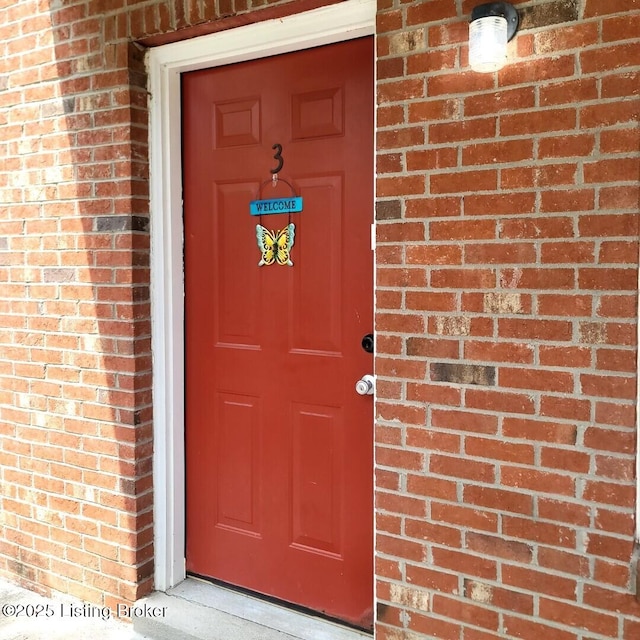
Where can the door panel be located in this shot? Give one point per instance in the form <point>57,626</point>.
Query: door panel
<point>279,446</point>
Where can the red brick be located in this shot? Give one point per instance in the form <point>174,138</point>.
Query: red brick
<point>408,415</point>
<point>499,401</point>
<point>458,82</point>
<point>465,612</point>
<point>609,58</point>
<point>434,207</point>
<point>535,227</point>
<point>501,204</point>
<point>432,110</point>
<point>433,533</point>
<point>460,182</point>
<point>581,90</point>
<point>432,441</point>
<point>399,547</point>
<point>388,21</point>
<point>461,468</point>
<point>565,562</point>
<point>608,386</point>
<point>440,488</point>
<point>495,546</point>
<point>398,186</point>
<point>540,532</point>
<point>609,440</point>
<point>541,379</point>
<point>567,408</point>
<point>432,12</point>
<point>469,278</point>
<point>528,629</point>
<point>608,413</point>
<point>466,563</point>
<point>430,301</point>
<point>464,421</point>
<point>579,617</point>
<point>538,481</point>
<point>530,123</point>
<point>606,114</point>
<point>401,278</point>
<point>615,360</point>
<point>441,133</point>
<point>499,352</point>
<point>568,200</point>
<point>399,323</point>
<point>564,459</point>
<point>402,137</point>
<point>498,499</point>
<point>426,623</point>
<point>499,253</point>
<point>400,91</point>
<point>501,100</point>
<point>429,159</point>
<point>608,225</point>
<point>581,145</point>
<point>608,492</point>
<point>532,278</point>
<point>432,579</point>
<point>618,252</point>
<point>497,152</point>
<point>556,330</point>
<point>566,304</point>
<point>614,521</point>
<point>508,599</point>
<point>563,511</point>
<point>498,450</point>
<point>432,347</point>
<point>400,504</point>
<point>431,60</point>
<point>620,140</point>
<point>567,252</point>
<point>536,70</point>
<point>434,254</point>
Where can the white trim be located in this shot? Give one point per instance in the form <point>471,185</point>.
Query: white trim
<point>326,25</point>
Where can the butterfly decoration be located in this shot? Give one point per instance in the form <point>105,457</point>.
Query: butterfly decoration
<point>275,245</point>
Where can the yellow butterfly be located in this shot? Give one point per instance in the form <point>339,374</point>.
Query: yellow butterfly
<point>275,245</point>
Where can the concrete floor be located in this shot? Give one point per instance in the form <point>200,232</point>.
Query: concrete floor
<point>194,610</point>
<point>28,616</point>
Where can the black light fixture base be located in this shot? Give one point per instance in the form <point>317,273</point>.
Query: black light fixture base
<point>501,9</point>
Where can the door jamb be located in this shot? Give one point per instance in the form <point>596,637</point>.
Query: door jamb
<point>325,25</point>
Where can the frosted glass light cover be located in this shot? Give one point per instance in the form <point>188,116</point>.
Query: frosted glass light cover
<point>488,44</point>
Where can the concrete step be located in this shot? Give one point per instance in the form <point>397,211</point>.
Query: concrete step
<point>197,610</point>
<point>26,615</point>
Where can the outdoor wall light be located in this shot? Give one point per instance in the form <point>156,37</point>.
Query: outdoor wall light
<point>492,25</point>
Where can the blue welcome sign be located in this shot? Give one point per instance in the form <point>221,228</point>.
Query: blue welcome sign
<point>275,205</point>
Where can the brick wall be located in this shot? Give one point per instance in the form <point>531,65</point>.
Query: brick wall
<point>506,315</point>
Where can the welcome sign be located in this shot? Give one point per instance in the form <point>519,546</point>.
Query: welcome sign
<point>275,205</point>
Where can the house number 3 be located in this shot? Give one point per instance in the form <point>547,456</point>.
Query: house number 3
<point>277,156</point>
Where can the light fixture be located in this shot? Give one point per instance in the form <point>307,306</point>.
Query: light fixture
<point>492,25</point>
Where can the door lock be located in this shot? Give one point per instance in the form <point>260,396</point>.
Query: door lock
<point>367,342</point>
<point>366,385</point>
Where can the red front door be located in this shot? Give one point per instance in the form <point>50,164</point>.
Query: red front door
<point>278,443</point>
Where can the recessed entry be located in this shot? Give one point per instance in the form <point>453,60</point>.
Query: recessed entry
<point>236,123</point>
<point>318,113</point>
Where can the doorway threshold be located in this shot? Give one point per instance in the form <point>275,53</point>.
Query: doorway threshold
<point>198,610</point>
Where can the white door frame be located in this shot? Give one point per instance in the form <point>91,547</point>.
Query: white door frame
<point>325,25</point>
